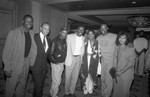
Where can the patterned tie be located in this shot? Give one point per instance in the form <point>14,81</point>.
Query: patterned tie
<point>44,43</point>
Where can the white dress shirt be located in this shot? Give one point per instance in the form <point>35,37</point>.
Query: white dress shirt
<point>42,36</point>
<point>78,47</point>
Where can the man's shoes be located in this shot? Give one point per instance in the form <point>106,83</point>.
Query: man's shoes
<point>69,95</point>
<point>73,95</point>
<point>95,93</point>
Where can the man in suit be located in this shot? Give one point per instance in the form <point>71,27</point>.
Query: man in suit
<point>75,50</point>
<point>39,69</point>
<point>16,57</point>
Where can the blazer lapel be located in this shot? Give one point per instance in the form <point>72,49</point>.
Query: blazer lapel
<point>73,42</point>
<point>39,42</point>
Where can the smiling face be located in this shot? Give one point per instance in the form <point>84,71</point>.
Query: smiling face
<point>45,28</point>
<point>104,29</point>
<point>63,34</point>
<point>91,35</point>
<point>122,39</point>
<point>80,31</point>
<point>28,23</point>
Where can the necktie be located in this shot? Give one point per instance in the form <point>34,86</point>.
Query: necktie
<point>44,43</point>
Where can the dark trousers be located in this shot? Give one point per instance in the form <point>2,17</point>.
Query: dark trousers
<point>39,80</point>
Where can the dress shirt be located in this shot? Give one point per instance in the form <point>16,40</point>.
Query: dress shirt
<point>42,36</point>
<point>78,46</point>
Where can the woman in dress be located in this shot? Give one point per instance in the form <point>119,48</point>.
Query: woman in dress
<point>90,59</point>
<point>124,64</point>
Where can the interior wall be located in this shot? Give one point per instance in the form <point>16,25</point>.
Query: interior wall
<point>44,13</point>
<point>130,30</point>
<point>7,22</point>
<point>23,8</point>
<point>56,18</point>
<point>36,13</point>
<point>115,29</point>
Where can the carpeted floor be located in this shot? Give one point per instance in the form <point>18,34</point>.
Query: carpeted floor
<point>138,89</point>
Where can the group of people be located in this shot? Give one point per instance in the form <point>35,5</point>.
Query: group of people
<point>26,50</point>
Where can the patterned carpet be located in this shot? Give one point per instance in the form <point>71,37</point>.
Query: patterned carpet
<point>138,89</point>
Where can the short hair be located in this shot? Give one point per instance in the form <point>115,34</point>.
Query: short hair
<point>27,16</point>
<point>44,24</point>
<point>91,31</point>
<point>80,26</point>
<point>64,28</point>
<point>122,33</point>
<point>104,24</point>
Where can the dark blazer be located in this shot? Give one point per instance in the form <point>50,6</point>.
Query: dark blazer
<point>41,58</point>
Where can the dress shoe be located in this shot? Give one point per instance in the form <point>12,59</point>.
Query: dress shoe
<point>73,95</point>
<point>67,95</point>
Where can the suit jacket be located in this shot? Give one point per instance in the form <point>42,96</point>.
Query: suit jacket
<point>13,53</point>
<point>71,41</point>
<point>41,57</point>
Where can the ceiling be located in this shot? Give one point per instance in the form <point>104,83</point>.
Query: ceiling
<point>95,12</point>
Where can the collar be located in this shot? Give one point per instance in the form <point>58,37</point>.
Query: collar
<point>41,35</point>
<point>78,36</point>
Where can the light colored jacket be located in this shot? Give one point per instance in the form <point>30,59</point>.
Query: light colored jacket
<point>13,52</point>
<point>71,41</point>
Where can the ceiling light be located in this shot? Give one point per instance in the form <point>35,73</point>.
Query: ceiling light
<point>133,2</point>
<point>139,21</point>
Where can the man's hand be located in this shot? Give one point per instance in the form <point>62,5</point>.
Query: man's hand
<point>8,73</point>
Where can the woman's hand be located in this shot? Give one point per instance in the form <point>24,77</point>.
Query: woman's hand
<point>8,73</point>
<point>119,73</point>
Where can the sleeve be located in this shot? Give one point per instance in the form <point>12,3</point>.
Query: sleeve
<point>146,44</point>
<point>131,57</point>
<point>48,52</point>
<point>68,59</point>
<point>134,44</point>
<point>147,64</point>
<point>83,48</point>
<point>33,51</point>
<point>99,49</point>
<point>67,40</point>
<point>52,50</point>
<point>8,50</point>
<point>115,57</point>
<point>147,58</point>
